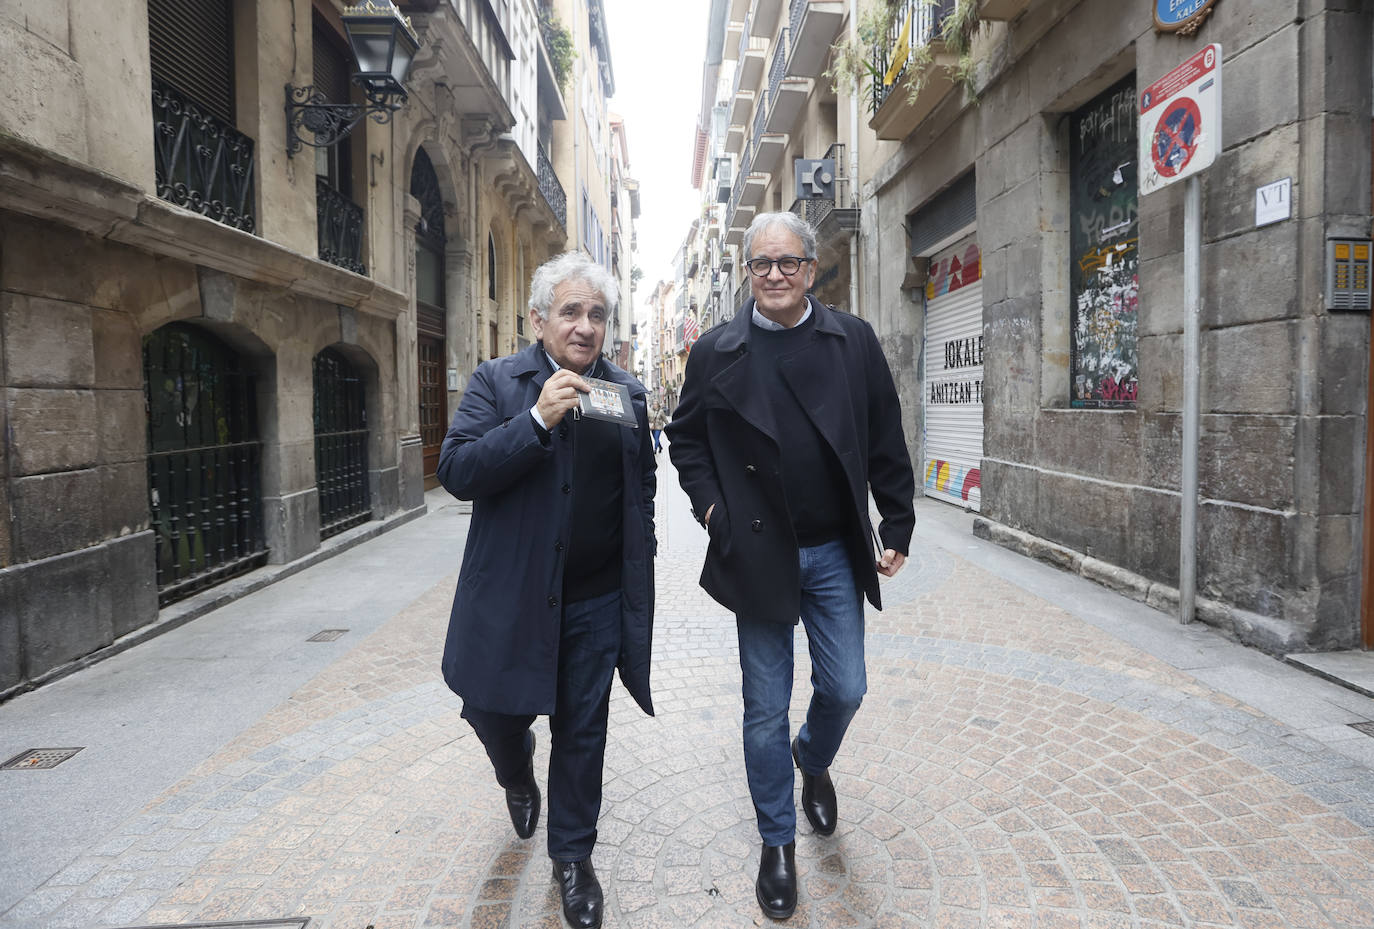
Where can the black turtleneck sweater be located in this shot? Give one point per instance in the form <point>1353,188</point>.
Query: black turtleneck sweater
<point>812,479</point>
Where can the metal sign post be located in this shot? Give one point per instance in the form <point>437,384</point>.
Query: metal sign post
<point>1180,135</point>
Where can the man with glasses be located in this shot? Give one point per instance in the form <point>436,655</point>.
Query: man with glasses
<point>788,418</point>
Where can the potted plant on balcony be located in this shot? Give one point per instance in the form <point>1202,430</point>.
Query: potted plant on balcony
<point>558,40</point>
<point>880,30</point>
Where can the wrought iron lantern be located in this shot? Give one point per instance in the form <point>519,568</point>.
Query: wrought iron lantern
<point>384,46</point>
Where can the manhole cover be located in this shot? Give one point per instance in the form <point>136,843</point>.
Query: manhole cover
<point>39,758</point>
<point>1366,728</point>
<point>326,635</point>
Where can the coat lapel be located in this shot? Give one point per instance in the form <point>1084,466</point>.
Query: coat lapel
<point>734,381</point>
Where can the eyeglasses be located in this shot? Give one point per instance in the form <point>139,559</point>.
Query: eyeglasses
<point>787,264</point>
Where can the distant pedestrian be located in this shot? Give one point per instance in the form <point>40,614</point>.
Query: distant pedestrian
<point>556,587</point>
<point>656,421</point>
<point>787,419</point>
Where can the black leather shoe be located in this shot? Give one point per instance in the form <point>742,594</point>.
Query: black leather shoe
<point>581,893</point>
<point>776,888</point>
<point>818,797</point>
<point>523,802</point>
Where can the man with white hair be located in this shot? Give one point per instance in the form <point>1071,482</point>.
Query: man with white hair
<point>788,418</point>
<point>556,588</point>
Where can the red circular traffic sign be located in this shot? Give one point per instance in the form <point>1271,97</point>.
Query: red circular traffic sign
<point>1176,136</point>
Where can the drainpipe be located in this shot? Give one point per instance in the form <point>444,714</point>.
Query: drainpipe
<point>577,135</point>
<point>854,167</point>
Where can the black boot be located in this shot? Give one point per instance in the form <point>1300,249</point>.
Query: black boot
<point>581,893</point>
<point>776,888</point>
<point>818,797</point>
<point>522,801</point>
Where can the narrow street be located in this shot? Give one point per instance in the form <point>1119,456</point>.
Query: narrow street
<point>1034,751</point>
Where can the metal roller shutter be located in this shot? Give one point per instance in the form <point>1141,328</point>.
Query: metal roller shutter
<point>192,46</point>
<point>953,388</point>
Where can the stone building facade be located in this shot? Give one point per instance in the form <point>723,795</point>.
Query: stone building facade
<point>1023,185</point>
<point>1030,300</point>
<point>217,347</point>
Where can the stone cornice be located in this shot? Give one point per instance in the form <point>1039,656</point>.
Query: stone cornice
<point>39,184</point>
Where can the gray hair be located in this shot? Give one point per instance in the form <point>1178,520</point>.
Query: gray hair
<point>789,221</point>
<point>570,266</point>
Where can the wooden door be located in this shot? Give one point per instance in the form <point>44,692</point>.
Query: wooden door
<point>433,401</point>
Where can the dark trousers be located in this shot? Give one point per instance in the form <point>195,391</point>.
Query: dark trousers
<point>588,645</point>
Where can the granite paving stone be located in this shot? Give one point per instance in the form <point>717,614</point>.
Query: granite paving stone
<point>1014,764</point>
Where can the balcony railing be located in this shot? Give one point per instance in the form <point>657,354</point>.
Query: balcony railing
<point>200,161</point>
<point>916,23</point>
<point>760,119</point>
<point>742,291</point>
<point>552,190</point>
<point>778,67</point>
<point>817,211</point>
<point>340,226</point>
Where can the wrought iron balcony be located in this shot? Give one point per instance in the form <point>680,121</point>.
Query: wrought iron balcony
<point>552,189</point>
<point>917,23</point>
<point>200,161</point>
<point>830,220</point>
<point>340,225</point>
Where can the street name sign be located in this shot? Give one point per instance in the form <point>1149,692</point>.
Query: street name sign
<point>1181,16</point>
<point>1180,121</point>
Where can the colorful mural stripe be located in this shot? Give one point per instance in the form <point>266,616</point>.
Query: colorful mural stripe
<point>951,479</point>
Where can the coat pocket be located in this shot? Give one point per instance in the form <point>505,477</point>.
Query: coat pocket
<point>718,531</point>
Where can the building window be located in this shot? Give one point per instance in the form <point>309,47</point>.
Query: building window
<point>491,267</point>
<point>1104,260</point>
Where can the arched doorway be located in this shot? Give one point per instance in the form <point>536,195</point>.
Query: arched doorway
<point>204,461</point>
<point>340,444</point>
<point>430,298</point>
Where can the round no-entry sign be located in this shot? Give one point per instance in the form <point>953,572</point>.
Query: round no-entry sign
<point>1180,121</point>
<point>1176,136</point>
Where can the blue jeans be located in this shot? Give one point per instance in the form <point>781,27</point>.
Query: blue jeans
<point>833,616</point>
<point>588,646</point>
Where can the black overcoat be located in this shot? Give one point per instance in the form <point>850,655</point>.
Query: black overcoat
<point>725,447</point>
<point>501,654</point>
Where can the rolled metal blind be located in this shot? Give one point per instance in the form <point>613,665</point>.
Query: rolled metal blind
<point>192,45</point>
<point>945,214</point>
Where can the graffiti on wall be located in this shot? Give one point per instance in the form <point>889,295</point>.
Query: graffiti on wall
<point>1104,277</point>
<point>951,479</point>
<point>954,271</point>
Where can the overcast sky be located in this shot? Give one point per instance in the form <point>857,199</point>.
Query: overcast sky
<point>656,53</point>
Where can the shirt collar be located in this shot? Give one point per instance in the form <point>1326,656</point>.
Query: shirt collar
<point>763,322</point>
<point>555,367</point>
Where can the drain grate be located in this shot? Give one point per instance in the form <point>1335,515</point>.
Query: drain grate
<point>36,758</point>
<point>326,635</point>
<point>297,922</point>
<point>1366,728</point>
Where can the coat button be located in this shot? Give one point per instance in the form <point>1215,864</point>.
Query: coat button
<point>567,489</point>
<point>750,469</point>
<point>563,431</point>
<point>553,601</point>
<point>558,546</point>
<point>757,525</point>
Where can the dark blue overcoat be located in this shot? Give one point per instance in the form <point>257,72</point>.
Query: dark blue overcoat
<point>501,654</point>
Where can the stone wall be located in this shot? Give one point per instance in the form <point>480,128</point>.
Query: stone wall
<point>1281,458</point>
<point>76,554</point>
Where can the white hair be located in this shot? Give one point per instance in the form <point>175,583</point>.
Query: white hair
<point>789,221</point>
<point>570,266</point>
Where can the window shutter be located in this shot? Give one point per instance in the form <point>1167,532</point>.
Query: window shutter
<point>946,213</point>
<point>192,45</point>
<point>331,74</point>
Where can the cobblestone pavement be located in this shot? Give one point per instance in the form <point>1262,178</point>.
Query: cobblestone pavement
<point>1012,766</point>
